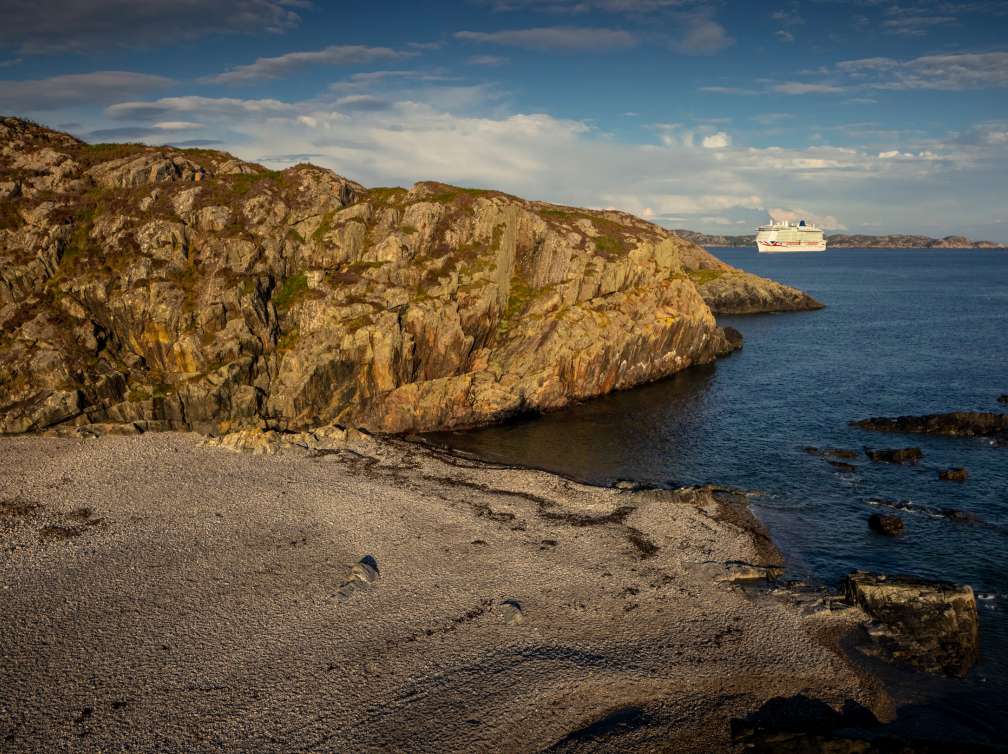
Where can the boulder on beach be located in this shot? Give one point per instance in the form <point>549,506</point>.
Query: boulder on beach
<point>895,455</point>
<point>954,474</point>
<point>931,625</point>
<point>880,523</point>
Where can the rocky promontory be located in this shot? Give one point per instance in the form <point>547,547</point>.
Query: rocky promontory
<point>159,288</point>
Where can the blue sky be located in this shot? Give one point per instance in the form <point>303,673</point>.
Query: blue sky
<point>868,116</point>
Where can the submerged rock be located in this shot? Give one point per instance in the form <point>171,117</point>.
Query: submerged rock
<point>888,525</point>
<point>895,455</point>
<point>848,455</point>
<point>956,423</point>
<point>954,474</point>
<point>931,625</point>
<point>185,289</point>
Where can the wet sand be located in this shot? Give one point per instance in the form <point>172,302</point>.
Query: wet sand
<point>160,595</point>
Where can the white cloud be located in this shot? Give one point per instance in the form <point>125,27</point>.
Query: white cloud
<point>679,176</point>
<point>276,67</point>
<point>701,35</point>
<point>176,125</point>
<point>554,38</point>
<point>829,222</point>
<point>798,87</point>
<point>486,60</point>
<point>718,140</point>
<point>99,87</point>
<point>952,71</point>
<point>208,106</point>
<point>56,26</point>
<point>784,36</point>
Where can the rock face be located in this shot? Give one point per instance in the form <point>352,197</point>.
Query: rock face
<point>930,625</point>
<point>956,423</point>
<point>161,288</point>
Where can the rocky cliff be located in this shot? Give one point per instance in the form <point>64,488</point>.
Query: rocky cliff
<point>156,288</point>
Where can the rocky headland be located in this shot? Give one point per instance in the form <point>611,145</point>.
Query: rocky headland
<point>845,241</point>
<point>161,288</point>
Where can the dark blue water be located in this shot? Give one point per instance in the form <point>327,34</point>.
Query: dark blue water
<point>904,332</point>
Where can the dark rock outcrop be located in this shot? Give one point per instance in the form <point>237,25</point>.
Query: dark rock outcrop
<point>890,526</point>
<point>954,475</point>
<point>955,424</point>
<point>895,455</point>
<point>931,625</point>
<point>160,288</point>
<point>1003,398</point>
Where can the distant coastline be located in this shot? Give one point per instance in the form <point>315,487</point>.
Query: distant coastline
<point>842,241</point>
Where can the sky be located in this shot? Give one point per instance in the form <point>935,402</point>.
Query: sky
<point>867,116</point>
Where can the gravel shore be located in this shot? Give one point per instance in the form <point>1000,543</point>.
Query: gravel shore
<point>156,594</point>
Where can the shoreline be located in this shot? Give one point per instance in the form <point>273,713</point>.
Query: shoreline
<point>625,601</point>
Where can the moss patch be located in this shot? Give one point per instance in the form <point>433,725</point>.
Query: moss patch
<point>704,276</point>
<point>293,289</point>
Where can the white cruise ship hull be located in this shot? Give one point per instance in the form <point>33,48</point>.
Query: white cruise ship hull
<point>777,247</point>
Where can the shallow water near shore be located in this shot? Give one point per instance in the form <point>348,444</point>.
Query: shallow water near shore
<point>904,332</point>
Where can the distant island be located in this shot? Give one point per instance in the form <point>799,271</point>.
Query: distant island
<point>842,241</point>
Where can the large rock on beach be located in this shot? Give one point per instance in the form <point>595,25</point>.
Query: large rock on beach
<point>167,288</point>
<point>931,625</point>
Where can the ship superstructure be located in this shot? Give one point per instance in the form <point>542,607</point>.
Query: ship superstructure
<point>789,236</point>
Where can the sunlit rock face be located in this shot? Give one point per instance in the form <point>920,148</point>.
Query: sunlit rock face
<point>185,289</point>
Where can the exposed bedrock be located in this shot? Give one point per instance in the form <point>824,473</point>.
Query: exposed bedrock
<point>161,288</point>
<point>931,625</point>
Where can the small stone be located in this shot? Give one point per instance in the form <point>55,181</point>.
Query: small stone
<point>512,612</point>
<point>883,524</point>
<point>953,474</point>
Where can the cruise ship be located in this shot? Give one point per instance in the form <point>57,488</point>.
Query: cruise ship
<point>788,236</point>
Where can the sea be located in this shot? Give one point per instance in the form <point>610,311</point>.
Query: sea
<point>903,331</point>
